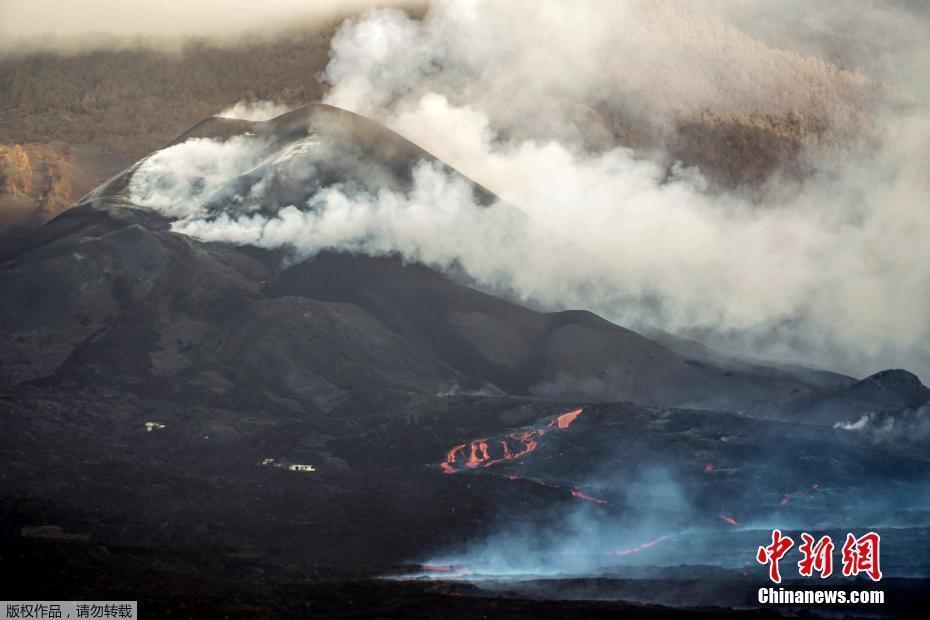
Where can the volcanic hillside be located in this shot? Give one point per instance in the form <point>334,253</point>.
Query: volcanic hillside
<point>108,292</point>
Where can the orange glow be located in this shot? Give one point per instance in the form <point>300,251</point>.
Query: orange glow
<point>729,520</point>
<point>484,452</point>
<point>580,495</point>
<point>527,445</point>
<point>452,569</point>
<point>565,420</point>
<point>541,483</point>
<point>448,466</point>
<point>479,453</point>
<point>645,545</point>
<point>436,568</point>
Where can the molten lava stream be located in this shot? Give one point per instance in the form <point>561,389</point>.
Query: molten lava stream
<point>786,498</point>
<point>575,492</point>
<point>645,545</point>
<point>580,495</point>
<point>478,453</point>
<point>448,465</point>
<point>438,571</point>
<point>565,420</point>
<point>541,483</point>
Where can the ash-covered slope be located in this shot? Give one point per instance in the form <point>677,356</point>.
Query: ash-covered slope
<point>275,163</point>
<point>107,293</point>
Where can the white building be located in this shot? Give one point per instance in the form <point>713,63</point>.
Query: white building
<point>297,467</point>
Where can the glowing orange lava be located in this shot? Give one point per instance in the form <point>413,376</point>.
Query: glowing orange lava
<point>786,498</point>
<point>448,465</point>
<point>452,569</point>
<point>729,520</point>
<point>580,495</point>
<point>645,545</point>
<point>541,483</point>
<point>565,420</point>
<point>487,452</point>
<point>527,443</point>
<point>479,453</point>
<point>575,492</point>
<point>436,568</point>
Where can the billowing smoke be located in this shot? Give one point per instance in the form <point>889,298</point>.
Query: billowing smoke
<point>657,516</point>
<point>255,110</point>
<point>542,68</point>
<point>908,426</point>
<point>583,538</point>
<point>570,112</point>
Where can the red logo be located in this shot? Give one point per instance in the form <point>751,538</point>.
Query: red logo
<point>773,553</point>
<point>817,557</point>
<point>860,555</point>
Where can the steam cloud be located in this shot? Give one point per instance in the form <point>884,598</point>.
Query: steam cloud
<point>525,97</point>
<point>908,426</point>
<point>255,110</point>
<point>579,539</point>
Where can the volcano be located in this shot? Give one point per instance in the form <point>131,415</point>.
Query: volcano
<point>149,377</point>
<point>108,291</point>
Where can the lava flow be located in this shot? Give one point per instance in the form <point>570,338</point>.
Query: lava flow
<point>575,492</point>
<point>580,495</point>
<point>786,498</point>
<point>478,453</point>
<point>645,545</point>
<point>729,520</point>
<point>565,420</point>
<point>541,483</point>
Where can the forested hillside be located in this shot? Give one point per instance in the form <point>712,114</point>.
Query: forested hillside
<point>131,101</point>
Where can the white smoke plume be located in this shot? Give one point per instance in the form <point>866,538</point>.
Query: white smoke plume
<point>907,426</point>
<point>255,110</point>
<point>524,97</point>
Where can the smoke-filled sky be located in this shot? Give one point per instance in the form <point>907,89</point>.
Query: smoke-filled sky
<point>832,269</point>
